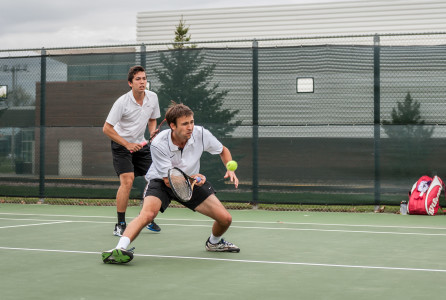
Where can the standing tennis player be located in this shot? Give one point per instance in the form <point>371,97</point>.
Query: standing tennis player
<point>125,126</point>
<point>182,147</point>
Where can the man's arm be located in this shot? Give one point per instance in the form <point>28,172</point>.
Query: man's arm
<point>152,126</point>
<point>226,156</point>
<point>114,136</point>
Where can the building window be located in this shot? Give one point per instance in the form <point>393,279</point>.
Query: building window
<point>305,85</point>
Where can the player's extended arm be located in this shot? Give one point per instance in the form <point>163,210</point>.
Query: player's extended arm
<point>226,156</point>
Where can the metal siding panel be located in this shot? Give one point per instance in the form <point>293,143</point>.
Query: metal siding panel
<point>339,18</point>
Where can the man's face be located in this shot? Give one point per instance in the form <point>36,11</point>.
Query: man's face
<point>139,82</point>
<point>184,127</point>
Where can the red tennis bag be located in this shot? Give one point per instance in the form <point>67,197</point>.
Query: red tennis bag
<point>424,196</point>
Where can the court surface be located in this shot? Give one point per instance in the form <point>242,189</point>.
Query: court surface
<point>53,252</point>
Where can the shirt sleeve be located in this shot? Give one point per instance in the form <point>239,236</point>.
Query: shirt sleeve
<point>156,110</point>
<point>160,161</point>
<point>210,143</point>
<point>115,114</point>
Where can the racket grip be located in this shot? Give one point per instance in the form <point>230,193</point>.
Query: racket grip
<point>198,179</point>
<point>142,145</point>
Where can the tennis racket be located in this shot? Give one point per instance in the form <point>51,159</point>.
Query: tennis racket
<point>153,135</point>
<point>181,184</point>
<point>157,130</point>
<point>142,145</point>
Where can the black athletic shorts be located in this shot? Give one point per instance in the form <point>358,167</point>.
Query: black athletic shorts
<point>158,188</point>
<point>137,162</point>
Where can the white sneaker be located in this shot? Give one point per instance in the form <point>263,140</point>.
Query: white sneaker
<point>222,246</point>
<point>119,229</point>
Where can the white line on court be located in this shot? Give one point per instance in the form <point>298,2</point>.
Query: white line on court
<point>37,224</point>
<point>241,221</point>
<point>232,226</point>
<point>318,230</point>
<point>48,215</point>
<point>241,260</point>
<point>244,227</point>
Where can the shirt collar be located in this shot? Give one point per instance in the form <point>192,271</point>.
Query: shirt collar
<point>174,147</point>
<point>144,101</point>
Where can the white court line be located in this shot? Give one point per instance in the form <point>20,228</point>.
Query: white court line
<point>37,224</point>
<point>242,260</point>
<point>240,227</point>
<point>318,230</point>
<point>48,215</point>
<point>235,226</point>
<point>241,221</point>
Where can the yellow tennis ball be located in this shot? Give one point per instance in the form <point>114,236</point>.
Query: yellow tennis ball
<point>231,165</point>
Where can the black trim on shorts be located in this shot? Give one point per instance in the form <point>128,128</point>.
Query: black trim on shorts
<point>125,162</point>
<point>157,188</point>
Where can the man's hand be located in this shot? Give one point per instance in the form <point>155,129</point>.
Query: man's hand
<point>231,175</point>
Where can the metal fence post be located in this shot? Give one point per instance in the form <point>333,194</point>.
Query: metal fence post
<point>42,125</point>
<point>143,55</point>
<point>377,118</point>
<point>255,122</point>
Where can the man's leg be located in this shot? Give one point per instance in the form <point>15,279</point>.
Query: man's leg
<point>122,200</point>
<point>119,255</point>
<point>213,208</point>
<point>148,213</point>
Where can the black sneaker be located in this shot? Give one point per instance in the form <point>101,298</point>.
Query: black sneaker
<point>222,246</point>
<point>153,227</point>
<point>119,229</point>
<point>117,256</point>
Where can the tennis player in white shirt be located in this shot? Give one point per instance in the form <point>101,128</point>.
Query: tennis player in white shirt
<point>181,146</point>
<point>126,123</point>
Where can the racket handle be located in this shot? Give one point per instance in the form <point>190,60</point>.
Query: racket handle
<point>198,179</point>
<point>142,145</point>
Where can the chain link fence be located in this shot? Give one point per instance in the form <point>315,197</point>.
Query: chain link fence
<point>323,123</point>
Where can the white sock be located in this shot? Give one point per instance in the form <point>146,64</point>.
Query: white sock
<point>123,243</point>
<point>214,239</point>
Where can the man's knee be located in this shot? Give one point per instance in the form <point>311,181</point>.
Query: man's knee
<point>126,180</point>
<point>146,217</point>
<point>225,220</point>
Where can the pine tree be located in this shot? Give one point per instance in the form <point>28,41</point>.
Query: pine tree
<point>187,78</point>
<point>409,135</point>
<point>181,36</point>
<point>407,114</point>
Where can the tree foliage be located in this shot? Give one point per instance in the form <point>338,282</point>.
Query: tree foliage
<point>187,78</point>
<point>19,97</point>
<point>182,36</point>
<point>409,137</point>
<point>407,115</point>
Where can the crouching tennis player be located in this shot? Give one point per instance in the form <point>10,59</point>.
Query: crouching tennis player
<point>181,146</point>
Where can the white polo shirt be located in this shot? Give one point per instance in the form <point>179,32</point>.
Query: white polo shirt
<point>166,155</point>
<point>130,119</point>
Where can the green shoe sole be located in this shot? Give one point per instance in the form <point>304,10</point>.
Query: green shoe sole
<point>117,256</point>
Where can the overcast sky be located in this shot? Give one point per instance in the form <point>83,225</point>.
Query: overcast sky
<point>66,23</point>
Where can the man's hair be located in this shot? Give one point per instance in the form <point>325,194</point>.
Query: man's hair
<point>177,110</point>
<point>133,70</point>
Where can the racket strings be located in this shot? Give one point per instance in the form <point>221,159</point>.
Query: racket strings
<point>180,185</point>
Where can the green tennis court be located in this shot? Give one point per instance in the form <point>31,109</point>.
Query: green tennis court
<point>53,252</point>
